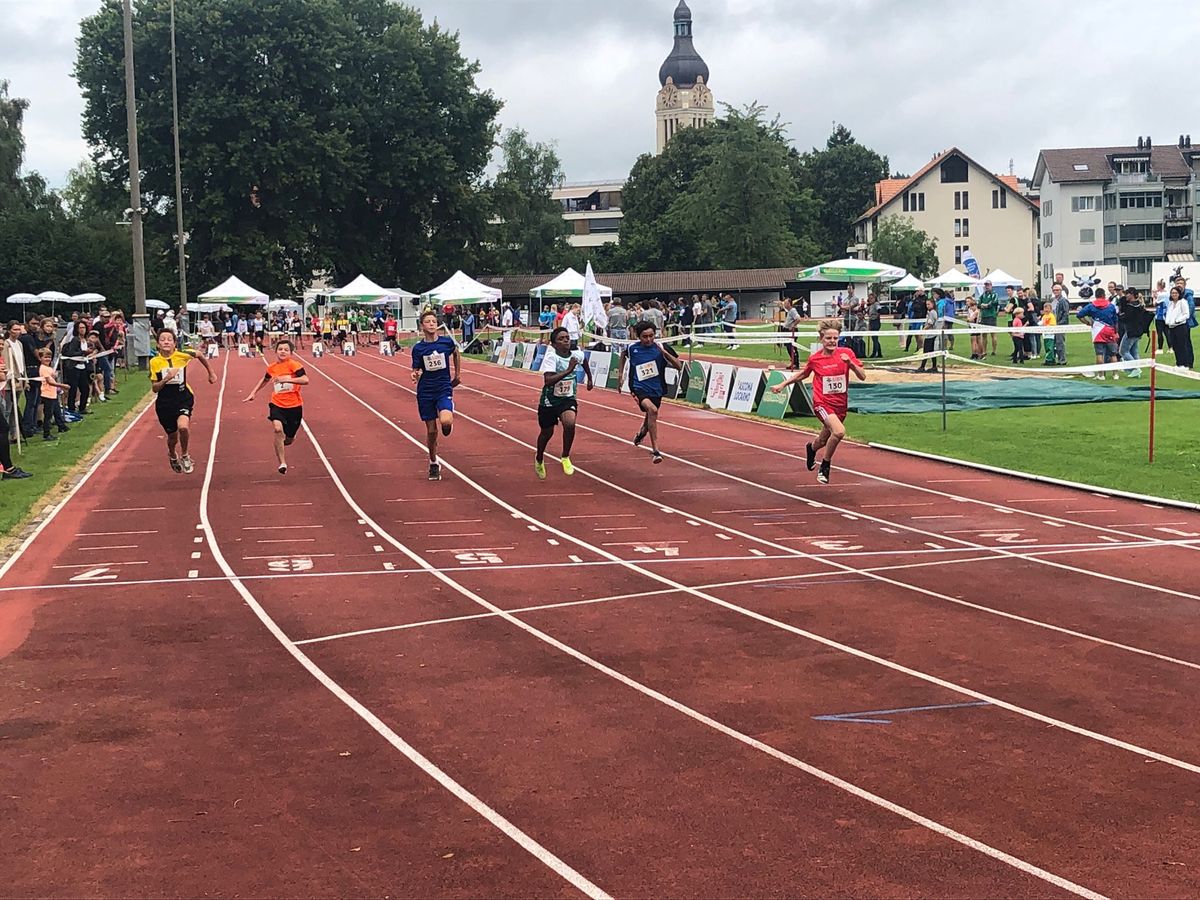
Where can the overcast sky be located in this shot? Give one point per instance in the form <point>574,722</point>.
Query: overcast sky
<point>908,78</point>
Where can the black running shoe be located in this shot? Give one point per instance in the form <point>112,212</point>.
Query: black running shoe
<point>656,457</point>
<point>446,430</point>
<point>435,472</point>
<point>810,457</point>
<point>823,472</point>
<point>639,437</point>
<point>288,441</point>
<point>15,472</point>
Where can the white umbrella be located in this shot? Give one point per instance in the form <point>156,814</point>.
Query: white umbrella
<point>88,299</point>
<point>855,271</point>
<point>952,278</point>
<point>289,305</point>
<point>23,298</point>
<point>157,304</point>
<point>54,297</point>
<point>209,307</point>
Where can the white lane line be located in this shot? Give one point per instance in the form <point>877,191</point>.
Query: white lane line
<point>1005,530</point>
<point>722,537</point>
<point>1040,500</point>
<point>410,752</point>
<point>758,552</point>
<point>765,509</point>
<point>1053,524</point>
<point>111,533</point>
<point>458,534</point>
<point>469,550</point>
<point>1186,534</point>
<point>412,500</point>
<point>379,547</point>
<point>196,555</point>
<point>890,530</point>
<point>389,567</point>
<point>198,540</point>
<point>111,547</point>
<point>552,542</point>
<point>290,540</point>
<point>278,527</point>
<point>98,565</point>
<point>957,480</point>
<point>892,505</point>
<point>555,494</point>
<point>609,529</point>
<point>699,490</point>
<point>915,518</point>
<point>130,509</point>
<point>193,573</point>
<point>575,559</point>
<point>443,521</point>
<point>369,534</point>
<point>265,505</point>
<point>787,759</point>
<point>289,556</point>
<point>602,516</point>
<point>1082,511</point>
<point>934,546</point>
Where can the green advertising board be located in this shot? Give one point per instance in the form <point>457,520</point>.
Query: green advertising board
<point>793,398</point>
<point>697,382</point>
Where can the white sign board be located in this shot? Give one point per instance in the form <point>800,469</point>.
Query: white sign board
<point>530,355</point>
<point>720,383</point>
<point>745,389</point>
<point>1169,271</point>
<point>600,363</point>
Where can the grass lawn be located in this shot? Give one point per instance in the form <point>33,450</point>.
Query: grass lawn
<point>50,461</point>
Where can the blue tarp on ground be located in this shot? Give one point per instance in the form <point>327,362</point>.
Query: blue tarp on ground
<point>996,394</point>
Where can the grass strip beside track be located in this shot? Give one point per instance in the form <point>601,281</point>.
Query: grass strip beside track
<point>55,463</point>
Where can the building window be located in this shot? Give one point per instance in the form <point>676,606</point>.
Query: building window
<point>1084,204</point>
<point>1047,272</point>
<point>1110,234</point>
<point>1048,209</point>
<point>1139,265</point>
<point>1141,201</point>
<point>1000,199</point>
<point>1080,263</point>
<point>1110,201</point>
<point>905,202</point>
<point>954,170</point>
<point>1142,232</point>
<point>958,252</point>
<point>1048,239</point>
<point>1087,235</point>
<point>958,228</point>
<point>605,226</point>
<point>1132,166</point>
<point>914,201</point>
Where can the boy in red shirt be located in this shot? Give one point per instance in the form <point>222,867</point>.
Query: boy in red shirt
<point>830,367</point>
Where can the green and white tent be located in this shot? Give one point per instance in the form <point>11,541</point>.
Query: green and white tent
<point>852,271</point>
<point>462,288</point>
<point>952,279</point>
<point>567,286</point>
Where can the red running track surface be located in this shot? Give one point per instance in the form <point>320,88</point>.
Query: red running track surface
<point>636,681</point>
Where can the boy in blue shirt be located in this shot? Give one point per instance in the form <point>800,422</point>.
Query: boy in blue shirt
<point>647,364</point>
<point>431,358</point>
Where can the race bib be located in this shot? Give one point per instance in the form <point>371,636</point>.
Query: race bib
<point>284,387</point>
<point>565,388</point>
<point>177,378</point>
<point>435,362</point>
<point>833,384</point>
<point>646,371</point>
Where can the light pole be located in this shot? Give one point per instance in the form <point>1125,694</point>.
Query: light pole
<point>141,321</point>
<point>180,237</point>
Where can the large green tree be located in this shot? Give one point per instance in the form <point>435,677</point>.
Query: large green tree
<point>317,135</point>
<point>721,197</point>
<point>843,177</point>
<point>898,242</point>
<point>528,234</point>
<point>12,145</point>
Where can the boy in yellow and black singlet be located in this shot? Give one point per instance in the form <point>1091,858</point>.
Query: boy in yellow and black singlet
<point>174,401</point>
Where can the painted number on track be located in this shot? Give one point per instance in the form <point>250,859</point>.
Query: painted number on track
<point>1008,537</point>
<point>296,564</point>
<point>100,574</point>
<point>841,546</point>
<point>478,559</point>
<point>665,551</point>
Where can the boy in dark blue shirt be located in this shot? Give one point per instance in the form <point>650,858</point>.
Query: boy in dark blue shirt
<point>647,365</point>
<point>431,359</point>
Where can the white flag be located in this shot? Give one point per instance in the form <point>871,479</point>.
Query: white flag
<point>593,305</point>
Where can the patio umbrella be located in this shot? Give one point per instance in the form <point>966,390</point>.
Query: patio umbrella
<point>157,304</point>
<point>853,271</point>
<point>87,299</point>
<point>23,298</point>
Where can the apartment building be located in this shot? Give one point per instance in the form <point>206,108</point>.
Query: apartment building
<point>964,207</point>
<point>594,211</point>
<point>1132,206</point>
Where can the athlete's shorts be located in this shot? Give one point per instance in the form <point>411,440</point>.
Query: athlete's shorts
<point>290,416</point>
<point>639,396</point>
<point>169,407</point>
<point>824,412</point>
<point>549,416</point>
<point>429,407</point>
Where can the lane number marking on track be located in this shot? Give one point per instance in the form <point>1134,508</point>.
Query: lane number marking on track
<point>295,564</point>
<point>478,559</point>
<point>98,574</point>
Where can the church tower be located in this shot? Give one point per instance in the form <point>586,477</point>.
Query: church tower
<point>684,100</point>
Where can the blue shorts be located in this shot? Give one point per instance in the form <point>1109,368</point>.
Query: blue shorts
<point>430,406</point>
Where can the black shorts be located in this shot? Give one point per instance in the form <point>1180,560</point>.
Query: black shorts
<point>639,396</point>
<point>549,416</point>
<point>169,407</point>
<point>290,417</point>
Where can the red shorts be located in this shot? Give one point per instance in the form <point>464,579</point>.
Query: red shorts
<point>824,412</point>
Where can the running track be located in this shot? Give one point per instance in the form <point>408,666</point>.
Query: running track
<point>632,682</point>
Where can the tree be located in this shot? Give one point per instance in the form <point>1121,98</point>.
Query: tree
<point>843,177</point>
<point>723,196</point>
<point>528,235</point>
<point>317,136</point>
<point>12,145</point>
<point>898,242</point>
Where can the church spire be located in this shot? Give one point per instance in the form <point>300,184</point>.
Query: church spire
<point>684,66</point>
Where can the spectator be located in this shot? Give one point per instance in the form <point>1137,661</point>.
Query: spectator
<point>1137,320</point>
<point>618,321</point>
<point>32,340</point>
<point>1018,335</point>
<point>874,323</point>
<point>1178,329</point>
<point>78,368</point>
<point>1101,315</point>
<point>1061,307</point>
<point>791,321</point>
<point>17,381</point>
<point>7,469</point>
<point>978,338</point>
<point>729,316</point>
<point>571,322</point>
<point>1048,321</point>
<point>931,342</point>
<point>989,311</point>
<point>1160,314</point>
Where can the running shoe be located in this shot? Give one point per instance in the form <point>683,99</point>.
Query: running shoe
<point>568,468</point>
<point>639,437</point>
<point>539,469</point>
<point>446,429</point>
<point>656,457</point>
<point>810,456</point>
<point>823,472</point>
<point>49,437</point>
<point>188,466</point>
<point>175,464</point>
<point>15,472</point>
<point>435,472</point>
<point>288,441</point>
<point>282,469</point>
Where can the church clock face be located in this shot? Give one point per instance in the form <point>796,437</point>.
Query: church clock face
<point>669,97</point>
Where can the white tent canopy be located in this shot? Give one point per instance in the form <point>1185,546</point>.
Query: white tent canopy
<point>1001,279</point>
<point>568,284</point>
<point>362,290</point>
<point>907,283</point>
<point>462,288</point>
<point>234,290</point>
<point>952,278</point>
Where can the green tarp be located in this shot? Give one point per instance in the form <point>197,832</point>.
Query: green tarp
<point>997,394</point>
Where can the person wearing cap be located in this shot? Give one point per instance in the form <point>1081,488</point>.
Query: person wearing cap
<point>108,340</point>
